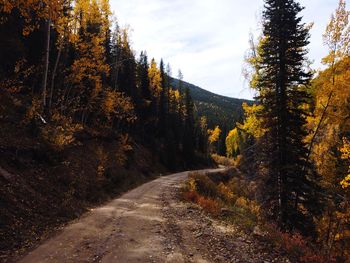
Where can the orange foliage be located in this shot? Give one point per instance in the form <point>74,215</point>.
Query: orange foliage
<point>208,204</point>
<point>190,196</point>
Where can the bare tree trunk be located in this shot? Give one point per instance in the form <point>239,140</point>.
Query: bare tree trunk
<point>333,238</point>
<point>117,62</point>
<point>47,56</point>
<point>54,73</point>
<point>322,116</point>
<point>319,124</point>
<point>330,223</point>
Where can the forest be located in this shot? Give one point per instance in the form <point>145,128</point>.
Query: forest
<point>75,98</point>
<point>85,118</point>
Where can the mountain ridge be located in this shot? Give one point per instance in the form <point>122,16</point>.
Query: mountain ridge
<point>219,110</point>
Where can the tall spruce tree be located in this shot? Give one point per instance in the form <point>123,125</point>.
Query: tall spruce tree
<point>162,107</point>
<point>188,136</point>
<point>289,190</point>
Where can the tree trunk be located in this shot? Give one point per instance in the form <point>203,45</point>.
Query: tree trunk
<point>319,124</point>
<point>54,73</point>
<point>47,55</point>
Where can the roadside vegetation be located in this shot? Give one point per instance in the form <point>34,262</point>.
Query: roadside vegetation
<point>229,197</point>
<point>292,147</point>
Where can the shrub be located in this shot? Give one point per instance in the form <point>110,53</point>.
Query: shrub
<point>222,160</point>
<point>223,176</point>
<point>295,246</point>
<point>190,196</point>
<point>60,132</point>
<point>225,193</point>
<point>243,218</point>
<point>209,205</point>
<point>204,185</point>
<point>241,202</point>
<point>239,187</point>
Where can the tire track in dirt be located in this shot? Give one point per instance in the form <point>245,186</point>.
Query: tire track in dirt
<point>150,224</point>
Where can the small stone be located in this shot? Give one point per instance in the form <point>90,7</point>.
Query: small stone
<point>258,232</point>
<point>199,234</point>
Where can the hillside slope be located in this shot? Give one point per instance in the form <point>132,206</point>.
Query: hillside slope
<point>219,110</point>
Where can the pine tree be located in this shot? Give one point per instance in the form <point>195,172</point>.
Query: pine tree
<point>127,68</point>
<point>188,136</point>
<point>222,141</point>
<point>281,84</point>
<point>162,107</point>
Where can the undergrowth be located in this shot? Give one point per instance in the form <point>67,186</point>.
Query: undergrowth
<point>230,197</point>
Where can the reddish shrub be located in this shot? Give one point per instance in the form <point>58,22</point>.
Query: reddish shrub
<point>190,196</point>
<point>295,246</point>
<point>209,205</point>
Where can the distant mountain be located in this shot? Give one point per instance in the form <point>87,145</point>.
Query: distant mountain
<point>219,110</point>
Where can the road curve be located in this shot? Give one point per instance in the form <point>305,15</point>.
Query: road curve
<point>127,229</point>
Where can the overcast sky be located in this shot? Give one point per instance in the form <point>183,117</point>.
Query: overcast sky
<point>207,39</point>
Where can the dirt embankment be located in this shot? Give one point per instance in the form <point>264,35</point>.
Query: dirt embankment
<point>41,190</point>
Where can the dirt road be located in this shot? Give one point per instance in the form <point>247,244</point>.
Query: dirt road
<point>147,224</point>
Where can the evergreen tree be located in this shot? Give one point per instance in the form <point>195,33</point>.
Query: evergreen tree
<point>127,77</point>
<point>281,84</point>
<point>162,107</point>
<point>222,141</point>
<point>188,136</point>
<point>145,104</point>
<point>143,79</point>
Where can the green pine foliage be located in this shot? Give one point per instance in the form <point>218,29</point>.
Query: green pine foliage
<point>289,191</point>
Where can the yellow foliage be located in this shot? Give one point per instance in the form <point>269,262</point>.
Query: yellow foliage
<point>33,110</point>
<point>222,160</point>
<point>43,10</point>
<point>337,35</point>
<point>225,191</point>
<point>330,120</point>
<point>124,147</point>
<point>192,185</point>
<point>177,95</point>
<point>233,143</point>
<point>252,123</point>
<point>155,79</point>
<point>214,134</point>
<point>60,132</point>
<point>116,105</point>
<point>345,150</point>
<point>242,202</point>
<point>332,96</point>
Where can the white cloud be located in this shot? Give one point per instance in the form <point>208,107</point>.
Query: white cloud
<point>207,39</point>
